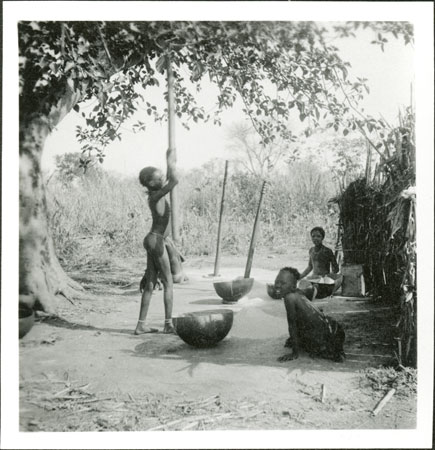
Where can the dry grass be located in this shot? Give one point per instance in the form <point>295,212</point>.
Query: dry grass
<point>99,215</point>
<point>67,406</point>
<point>384,378</point>
<point>379,230</point>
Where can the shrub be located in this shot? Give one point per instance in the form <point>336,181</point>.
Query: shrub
<point>100,214</point>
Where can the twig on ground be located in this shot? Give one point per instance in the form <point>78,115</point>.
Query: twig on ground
<point>251,415</point>
<point>36,404</point>
<point>165,425</point>
<point>190,405</point>
<point>26,382</point>
<point>195,420</point>
<point>211,419</point>
<point>112,410</point>
<point>69,397</point>
<point>207,401</point>
<point>245,406</point>
<point>189,426</point>
<point>93,400</point>
<point>323,394</point>
<point>384,401</point>
<point>76,411</point>
<point>368,354</point>
<point>63,391</point>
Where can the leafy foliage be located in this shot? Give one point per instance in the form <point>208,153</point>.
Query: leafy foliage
<point>347,164</point>
<point>397,29</point>
<point>70,166</point>
<point>113,61</point>
<point>247,150</point>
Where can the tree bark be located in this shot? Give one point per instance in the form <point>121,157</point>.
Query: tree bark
<point>41,278</point>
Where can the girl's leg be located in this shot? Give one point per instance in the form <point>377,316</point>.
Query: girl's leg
<point>175,261</point>
<point>148,287</point>
<point>166,277</point>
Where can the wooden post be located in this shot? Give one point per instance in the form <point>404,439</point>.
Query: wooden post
<point>172,150</point>
<point>254,234</point>
<point>218,245</point>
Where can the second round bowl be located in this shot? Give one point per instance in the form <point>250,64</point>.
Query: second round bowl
<point>232,291</point>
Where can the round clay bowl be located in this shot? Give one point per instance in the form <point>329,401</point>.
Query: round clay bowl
<point>26,320</point>
<point>204,328</point>
<point>312,279</point>
<point>304,284</point>
<point>271,291</point>
<point>232,291</point>
<point>325,289</point>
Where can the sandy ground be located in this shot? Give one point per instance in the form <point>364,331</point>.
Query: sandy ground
<point>87,371</point>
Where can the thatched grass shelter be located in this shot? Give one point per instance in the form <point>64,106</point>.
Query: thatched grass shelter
<point>378,220</point>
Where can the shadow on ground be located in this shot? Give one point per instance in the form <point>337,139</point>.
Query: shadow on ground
<point>259,333</point>
<point>240,352</point>
<point>207,301</point>
<point>59,322</point>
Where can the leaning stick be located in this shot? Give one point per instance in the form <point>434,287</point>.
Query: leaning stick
<point>323,394</point>
<point>218,245</point>
<point>384,401</point>
<point>254,234</point>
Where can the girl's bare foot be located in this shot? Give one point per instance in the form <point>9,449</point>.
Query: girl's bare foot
<point>168,328</point>
<point>141,328</point>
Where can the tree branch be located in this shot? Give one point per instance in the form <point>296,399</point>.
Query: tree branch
<point>358,112</point>
<point>106,49</point>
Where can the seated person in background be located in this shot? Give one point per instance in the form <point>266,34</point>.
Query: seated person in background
<point>309,328</point>
<point>322,262</point>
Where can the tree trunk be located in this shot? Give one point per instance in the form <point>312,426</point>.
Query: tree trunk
<point>41,277</point>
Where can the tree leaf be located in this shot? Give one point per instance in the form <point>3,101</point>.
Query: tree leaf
<point>161,64</point>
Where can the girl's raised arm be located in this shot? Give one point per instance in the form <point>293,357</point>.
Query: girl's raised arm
<point>157,195</point>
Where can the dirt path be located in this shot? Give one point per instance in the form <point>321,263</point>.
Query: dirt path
<point>87,371</point>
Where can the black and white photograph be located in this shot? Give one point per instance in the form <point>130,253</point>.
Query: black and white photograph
<point>218,219</point>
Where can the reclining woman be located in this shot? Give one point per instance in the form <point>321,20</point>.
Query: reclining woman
<point>308,327</point>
